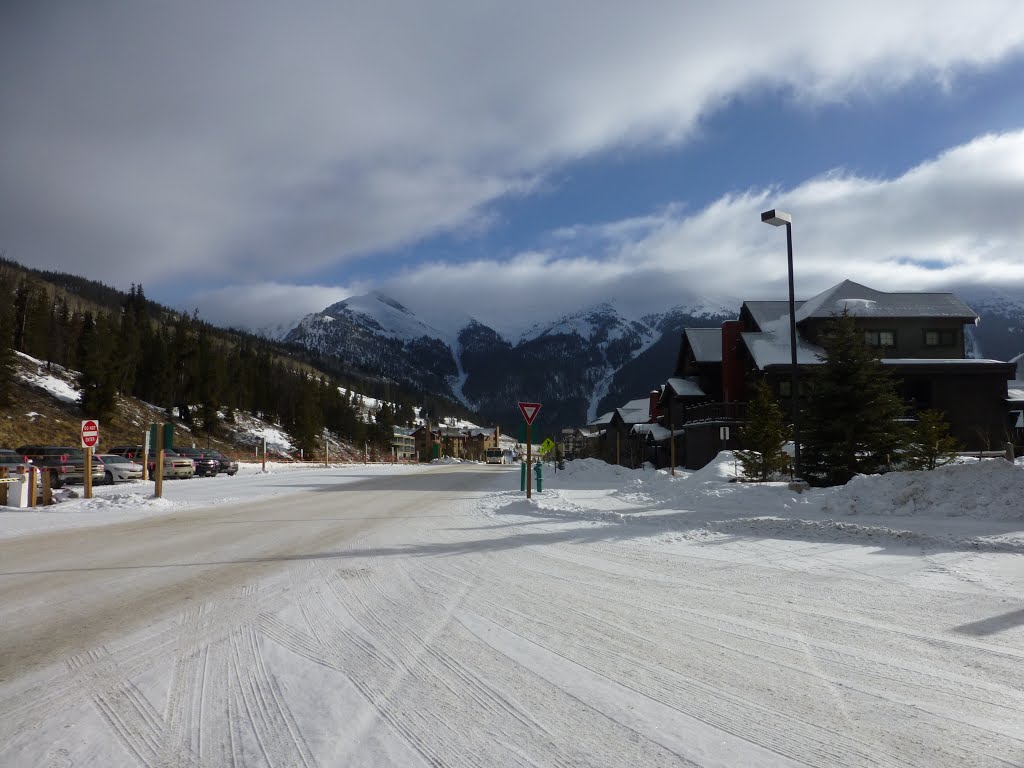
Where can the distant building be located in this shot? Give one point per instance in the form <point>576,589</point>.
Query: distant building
<point>918,336</point>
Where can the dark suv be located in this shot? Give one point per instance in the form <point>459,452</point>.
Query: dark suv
<point>207,465</point>
<point>64,463</point>
<point>227,465</point>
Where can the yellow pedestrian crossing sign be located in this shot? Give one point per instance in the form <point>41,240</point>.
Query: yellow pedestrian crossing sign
<point>547,445</point>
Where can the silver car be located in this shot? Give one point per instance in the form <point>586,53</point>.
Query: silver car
<point>118,469</point>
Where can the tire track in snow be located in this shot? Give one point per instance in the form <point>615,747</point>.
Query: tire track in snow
<point>434,631</point>
<point>272,721</point>
<point>557,619</point>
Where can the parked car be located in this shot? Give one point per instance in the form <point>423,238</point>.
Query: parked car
<point>12,461</point>
<point>63,463</point>
<point>175,466</point>
<point>207,465</point>
<point>118,469</point>
<point>227,465</point>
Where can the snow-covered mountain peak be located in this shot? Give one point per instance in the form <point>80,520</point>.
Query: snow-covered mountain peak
<point>384,315</point>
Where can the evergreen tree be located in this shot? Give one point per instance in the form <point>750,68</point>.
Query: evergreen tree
<point>852,412</point>
<point>6,348</point>
<point>96,368</point>
<point>931,444</point>
<point>763,437</point>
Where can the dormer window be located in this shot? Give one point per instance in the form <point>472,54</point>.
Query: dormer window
<point>939,338</point>
<point>880,338</point>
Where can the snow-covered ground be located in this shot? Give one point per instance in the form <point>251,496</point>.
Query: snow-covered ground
<point>379,616</point>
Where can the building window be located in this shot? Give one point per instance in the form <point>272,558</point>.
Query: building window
<point>939,338</point>
<point>880,338</point>
<point>786,388</point>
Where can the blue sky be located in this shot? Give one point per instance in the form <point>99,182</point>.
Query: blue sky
<point>514,161</point>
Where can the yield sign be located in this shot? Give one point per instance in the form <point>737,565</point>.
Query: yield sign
<point>529,411</point>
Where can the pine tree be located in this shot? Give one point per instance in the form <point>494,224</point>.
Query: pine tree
<point>763,437</point>
<point>6,349</point>
<point>852,413</point>
<point>931,444</point>
<point>96,376</point>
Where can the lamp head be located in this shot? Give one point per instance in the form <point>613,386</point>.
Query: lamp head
<point>776,218</point>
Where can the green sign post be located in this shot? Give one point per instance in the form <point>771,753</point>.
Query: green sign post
<point>529,411</point>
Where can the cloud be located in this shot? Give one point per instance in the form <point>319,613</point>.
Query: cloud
<point>267,308</point>
<point>141,142</point>
<point>953,221</point>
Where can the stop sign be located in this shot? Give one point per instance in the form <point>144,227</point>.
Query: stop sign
<point>90,433</point>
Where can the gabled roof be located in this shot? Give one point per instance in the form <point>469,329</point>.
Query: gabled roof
<point>635,411</point>
<point>686,386</point>
<point>861,301</point>
<point>706,344</point>
<point>773,349</point>
<point>765,312</point>
<point>656,432</point>
<point>603,419</point>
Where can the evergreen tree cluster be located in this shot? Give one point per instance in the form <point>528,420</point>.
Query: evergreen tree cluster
<point>179,363</point>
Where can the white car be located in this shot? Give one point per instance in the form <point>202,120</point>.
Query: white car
<point>118,469</point>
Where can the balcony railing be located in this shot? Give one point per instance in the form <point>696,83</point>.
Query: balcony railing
<point>711,412</point>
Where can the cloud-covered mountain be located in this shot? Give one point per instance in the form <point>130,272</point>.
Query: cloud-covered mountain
<point>576,365</point>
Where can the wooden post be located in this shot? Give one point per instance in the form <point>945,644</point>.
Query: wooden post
<point>672,443</point>
<point>32,486</point>
<point>264,467</point>
<point>159,467</point>
<point>47,489</point>
<point>3,487</point>
<point>618,450</point>
<point>87,480</point>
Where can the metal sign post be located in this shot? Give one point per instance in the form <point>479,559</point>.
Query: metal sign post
<point>529,411</point>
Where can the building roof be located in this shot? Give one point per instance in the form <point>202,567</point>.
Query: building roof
<point>686,386</point>
<point>773,349</point>
<point>635,411</point>
<point>861,301</point>
<point>656,432</point>
<point>706,344</point>
<point>765,312</point>
<point>604,418</point>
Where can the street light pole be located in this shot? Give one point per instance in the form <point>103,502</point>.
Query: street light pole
<point>777,219</point>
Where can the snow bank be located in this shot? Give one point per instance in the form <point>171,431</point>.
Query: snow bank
<point>987,490</point>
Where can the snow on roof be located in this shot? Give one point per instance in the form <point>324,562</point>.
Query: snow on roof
<point>962,361</point>
<point>765,312</point>
<point>1019,362</point>
<point>686,386</point>
<point>773,348</point>
<point>635,411</point>
<point>859,300</point>
<point>604,418</point>
<point>706,344</point>
<point>657,432</point>
<point>1015,391</point>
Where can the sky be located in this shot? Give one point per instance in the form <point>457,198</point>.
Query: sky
<point>258,161</point>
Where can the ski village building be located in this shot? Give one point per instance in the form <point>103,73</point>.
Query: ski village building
<point>920,337</point>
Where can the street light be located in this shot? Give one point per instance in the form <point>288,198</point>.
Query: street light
<point>777,219</point>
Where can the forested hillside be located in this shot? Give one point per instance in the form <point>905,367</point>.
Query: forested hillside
<point>125,345</point>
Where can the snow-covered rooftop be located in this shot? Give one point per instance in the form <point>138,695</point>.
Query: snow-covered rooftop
<point>859,300</point>
<point>773,348</point>
<point>686,386</point>
<point>635,411</point>
<point>706,344</point>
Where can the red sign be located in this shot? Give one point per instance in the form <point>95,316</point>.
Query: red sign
<point>529,411</point>
<point>90,433</point>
